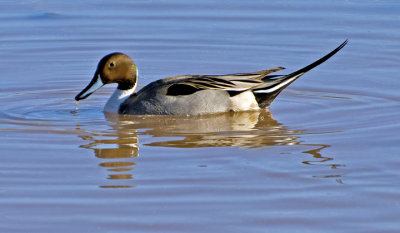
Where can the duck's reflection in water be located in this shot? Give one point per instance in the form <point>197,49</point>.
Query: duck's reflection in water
<point>117,149</point>
<point>238,129</point>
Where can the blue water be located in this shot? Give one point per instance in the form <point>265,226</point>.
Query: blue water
<point>325,159</point>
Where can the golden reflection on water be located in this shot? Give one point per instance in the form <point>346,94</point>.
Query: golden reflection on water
<point>237,129</point>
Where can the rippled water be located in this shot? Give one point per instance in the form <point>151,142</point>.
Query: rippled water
<point>324,159</point>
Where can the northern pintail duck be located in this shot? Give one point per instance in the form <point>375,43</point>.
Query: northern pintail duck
<point>189,94</point>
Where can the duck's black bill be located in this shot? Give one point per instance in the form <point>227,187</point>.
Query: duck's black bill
<point>94,85</point>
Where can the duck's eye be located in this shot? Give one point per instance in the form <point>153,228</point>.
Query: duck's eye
<point>112,64</point>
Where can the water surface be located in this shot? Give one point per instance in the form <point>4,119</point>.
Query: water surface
<point>325,158</point>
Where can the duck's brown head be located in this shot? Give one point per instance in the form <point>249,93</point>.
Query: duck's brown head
<point>113,68</point>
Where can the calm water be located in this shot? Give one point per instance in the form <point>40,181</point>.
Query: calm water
<point>325,159</point>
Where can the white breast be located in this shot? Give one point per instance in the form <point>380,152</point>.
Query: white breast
<point>116,99</point>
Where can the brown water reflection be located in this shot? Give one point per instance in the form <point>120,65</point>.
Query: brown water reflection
<point>234,129</point>
<point>319,159</point>
<point>239,129</point>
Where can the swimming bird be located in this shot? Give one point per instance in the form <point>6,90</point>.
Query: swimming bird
<point>189,94</point>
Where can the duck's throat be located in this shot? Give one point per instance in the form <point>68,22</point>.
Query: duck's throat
<point>116,99</point>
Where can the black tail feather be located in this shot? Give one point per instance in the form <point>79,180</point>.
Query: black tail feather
<point>265,95</point>
<point>318,62</point>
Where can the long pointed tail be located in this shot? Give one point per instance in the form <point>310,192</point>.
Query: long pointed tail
<point>266,93</point>
<point>316,63</point>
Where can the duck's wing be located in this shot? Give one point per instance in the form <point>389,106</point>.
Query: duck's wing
<point>232,83</point>
<point>261,83</point>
